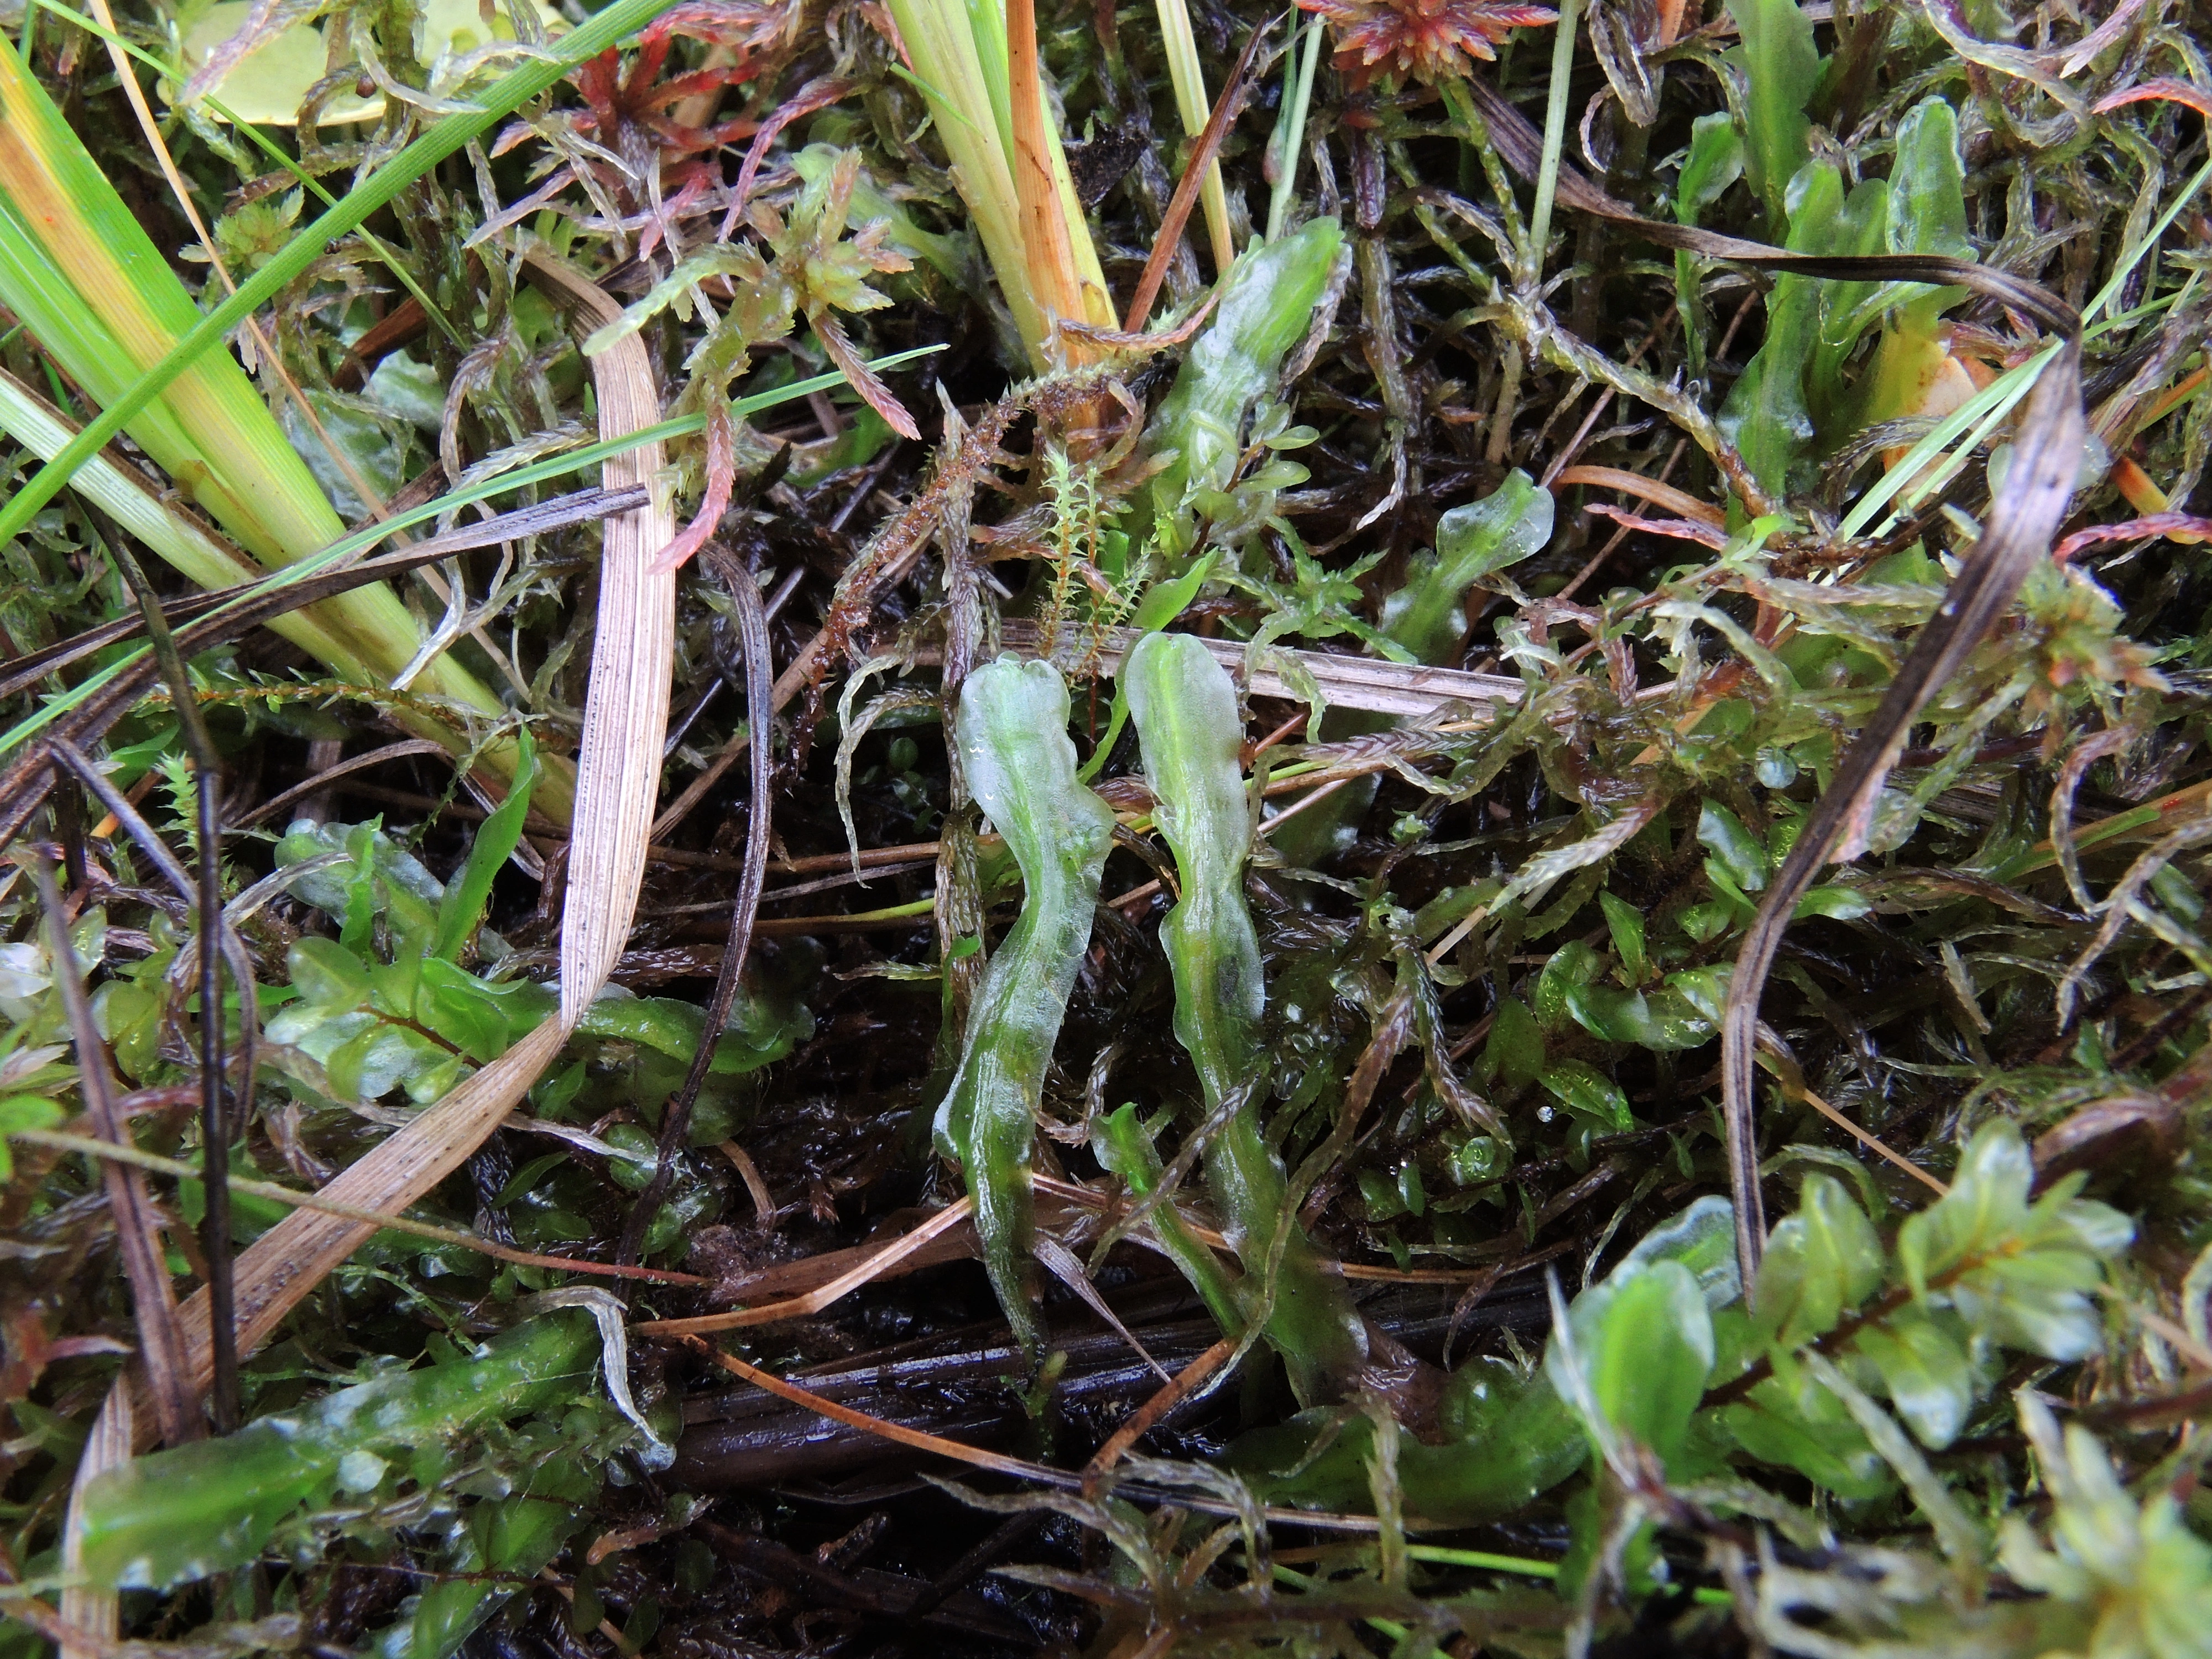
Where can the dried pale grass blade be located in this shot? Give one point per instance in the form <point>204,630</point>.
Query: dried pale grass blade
<point>1370,683</point>
<point>632,647</point>
<point>624,714</point>
<point>96,1614</point>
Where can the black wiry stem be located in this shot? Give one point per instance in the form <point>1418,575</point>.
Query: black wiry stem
<point>215,1127</point>
<point>760,710</point>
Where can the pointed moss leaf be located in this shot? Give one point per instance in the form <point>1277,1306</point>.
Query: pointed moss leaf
<point>1624,923</point>
<point>402,881</point>
<point>1704,989</point>
<point>1614,1016</point>
<point>1514,1054</point>
<point>1427,615</point>
<point>1820,1263</point>
<point>1478,1160</point>
<point>1923,1365</point>
<point>1573,964</point>
<point>462,907</point>
<point>1454,905</point>
<point>2024,1274</point>
<point>357,927</point>
<point>1664,1021</point>
<point>1706,922</point>
<point>1589,1095</point>
<point>1644,1340</point>
<point>1740,852</point>
<point>637,1156</point>
<point>1838,903</point>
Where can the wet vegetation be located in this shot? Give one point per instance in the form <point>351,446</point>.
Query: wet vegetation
<point>954,828</point>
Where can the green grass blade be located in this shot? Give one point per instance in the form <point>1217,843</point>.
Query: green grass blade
<point>623,18</point>
<point>276,152</point>
<point>368,535</point>
<point>1987,407</point>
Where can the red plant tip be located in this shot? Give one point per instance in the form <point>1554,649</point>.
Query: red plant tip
<point>1423,40</point>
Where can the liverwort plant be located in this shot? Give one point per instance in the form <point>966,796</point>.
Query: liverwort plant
<point>1187,721</point>
<point>1267,304</point>
<point>1012,731</point>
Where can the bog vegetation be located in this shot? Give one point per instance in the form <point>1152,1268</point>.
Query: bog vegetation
<point>963,828</point>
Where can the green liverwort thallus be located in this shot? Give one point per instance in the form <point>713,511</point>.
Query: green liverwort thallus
<point>1012,734</point>
<point>1187,721</point>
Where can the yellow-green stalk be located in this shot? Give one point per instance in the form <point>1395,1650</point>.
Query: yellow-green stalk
<point>33,423</point>
<point>1188,80</point>
<point>958,49</point>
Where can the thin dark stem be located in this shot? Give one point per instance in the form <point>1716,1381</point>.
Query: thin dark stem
<point>215,1127</point>
<point>676,1121</point>
<point>160,1344</point>
<point>69,829</point>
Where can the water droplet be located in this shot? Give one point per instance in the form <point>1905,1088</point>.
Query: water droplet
<point>1775,769</point>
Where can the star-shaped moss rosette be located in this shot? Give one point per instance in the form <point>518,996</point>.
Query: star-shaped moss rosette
<point>1423,40</point>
